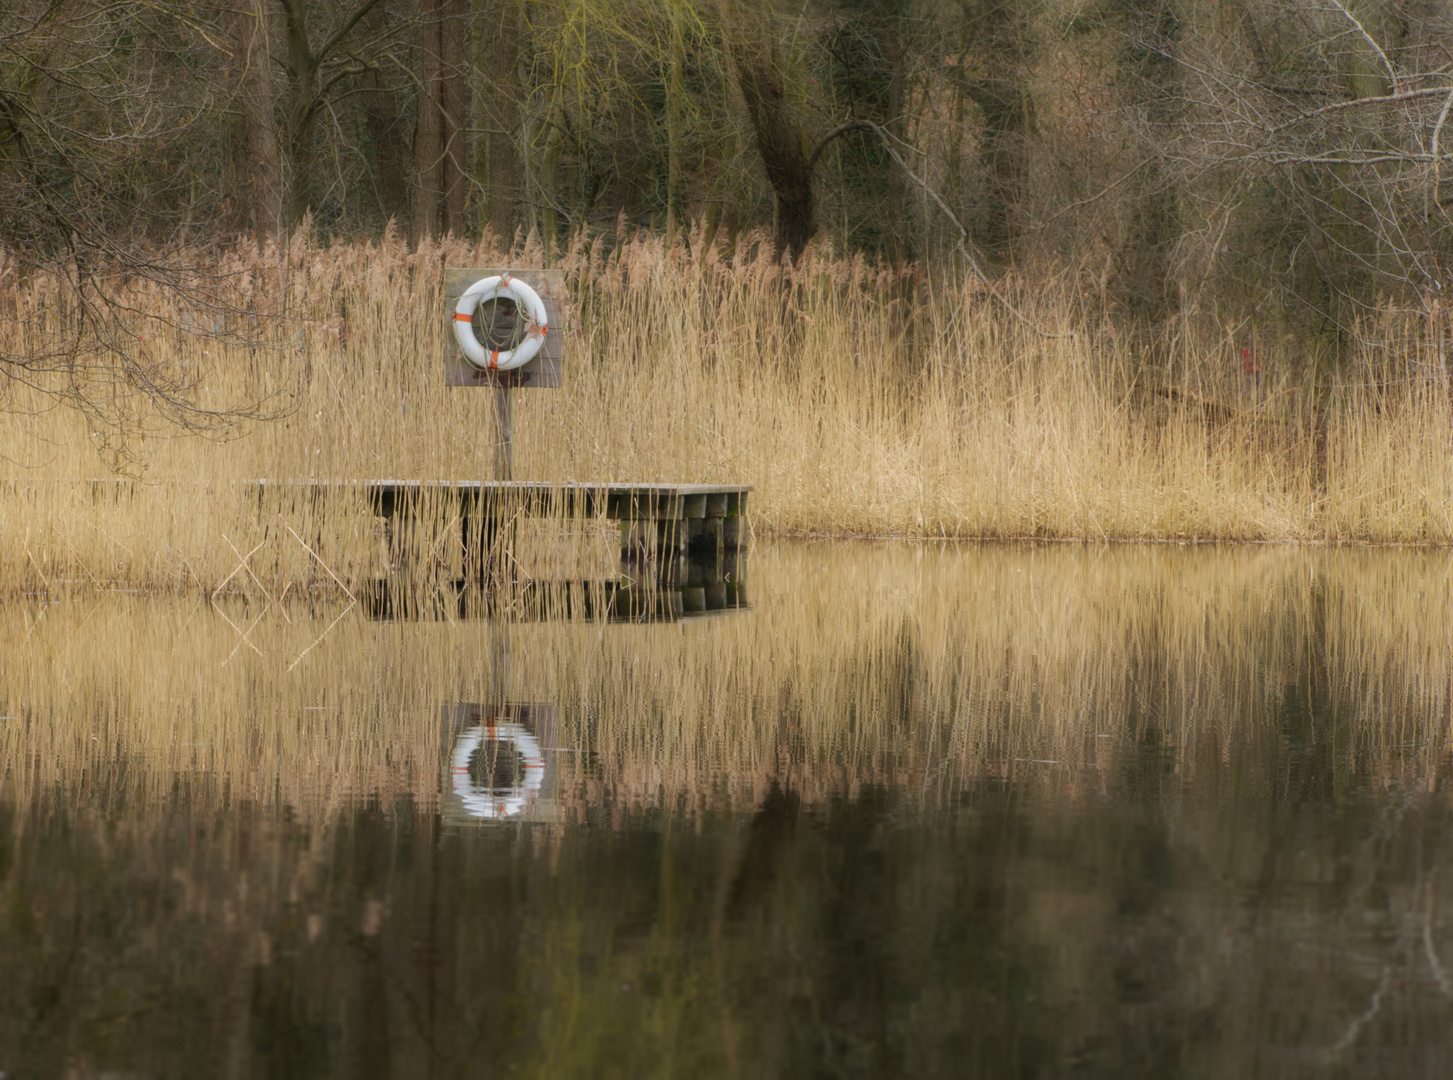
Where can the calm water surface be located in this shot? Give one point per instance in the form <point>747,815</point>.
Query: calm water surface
<point>978,811</point>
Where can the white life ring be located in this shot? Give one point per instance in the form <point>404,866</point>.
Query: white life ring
<point>497,802</point>
<point>525,299</point>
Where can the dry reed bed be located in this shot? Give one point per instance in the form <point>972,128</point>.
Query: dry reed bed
<point>923,668</point>
<point>858,400</point>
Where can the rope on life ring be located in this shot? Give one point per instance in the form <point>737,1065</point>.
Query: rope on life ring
<point>525,299</point>
<point>497,802</point>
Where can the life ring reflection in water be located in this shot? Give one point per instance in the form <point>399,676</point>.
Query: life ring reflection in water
<point>497,769</point>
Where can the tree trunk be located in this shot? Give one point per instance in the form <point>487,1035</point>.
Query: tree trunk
<point>440,144</point>
<point>1003,99</point>
<point>453,101</point>
<point>899,245</point>
<point>675,91</point>
<point>304,97</point>
<point>255,196</point>
<point>550,194</point>
<point>779,142</point>
<point>867,77</point>
<point>496,162</point>
<point>386,132</point>
<point>302,93</point>
<point>429,135</point>
<point>1148,62</point>
<point>1004,158</point>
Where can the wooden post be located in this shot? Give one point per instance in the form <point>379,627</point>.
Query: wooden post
<point>499,641</point>
<point>635,542</point>
<point>478,546</point>
<point>503,468</point>
<point>504,432</point>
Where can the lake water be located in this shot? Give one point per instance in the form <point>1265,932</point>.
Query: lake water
<point>892,810</point>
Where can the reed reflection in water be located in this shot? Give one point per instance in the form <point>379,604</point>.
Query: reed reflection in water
<point>974,811</point>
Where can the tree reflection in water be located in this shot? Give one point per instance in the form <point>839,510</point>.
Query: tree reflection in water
<point>978,813</point>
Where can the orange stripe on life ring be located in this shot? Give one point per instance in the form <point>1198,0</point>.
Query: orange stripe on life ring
<point>494,360</point>
<point>463,318</point>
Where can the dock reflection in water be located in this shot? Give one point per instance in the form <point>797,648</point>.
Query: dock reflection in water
<point>920,811</point>
<point>685,589</point>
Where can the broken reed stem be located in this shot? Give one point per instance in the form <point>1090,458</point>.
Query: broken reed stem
<point>241,565</point>
<point>321,563</point>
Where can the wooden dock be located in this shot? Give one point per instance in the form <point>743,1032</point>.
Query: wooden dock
<point>656,520</point>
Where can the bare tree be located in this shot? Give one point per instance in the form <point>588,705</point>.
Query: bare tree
<point>312,72</point>
<point>498,58</point>
<point>1312,137</point>
<point>440,140</point>
<point>102,133</point>
<point>256,191</point>
<point>380,89</point>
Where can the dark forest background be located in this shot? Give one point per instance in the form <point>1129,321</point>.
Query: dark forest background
<point>1282,159</point>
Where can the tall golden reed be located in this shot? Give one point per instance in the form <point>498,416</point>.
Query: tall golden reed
<point>918,667</point>
<point>858,400</point>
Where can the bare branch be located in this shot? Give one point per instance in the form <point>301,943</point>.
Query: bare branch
<point>1358,103</point>
<point>1386,63</point>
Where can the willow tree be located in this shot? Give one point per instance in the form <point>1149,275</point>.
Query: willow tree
<point>870,66</point>
<point>588,110</point>
<point>780,59</point>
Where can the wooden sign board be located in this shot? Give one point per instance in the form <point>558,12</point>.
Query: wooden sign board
<point>544,369</point>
